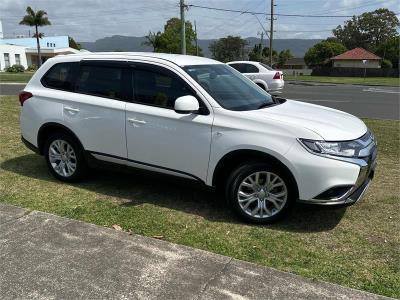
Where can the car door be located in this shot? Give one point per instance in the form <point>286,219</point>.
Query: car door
<point>250,71</point>
<point>95,112</point>
<point>160,138</point>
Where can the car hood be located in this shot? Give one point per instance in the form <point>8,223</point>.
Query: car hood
<point>330,124</point>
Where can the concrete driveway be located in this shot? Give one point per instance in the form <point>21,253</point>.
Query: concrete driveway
<point>43,256</point>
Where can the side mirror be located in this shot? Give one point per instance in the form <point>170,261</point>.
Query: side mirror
<point>186,105</point>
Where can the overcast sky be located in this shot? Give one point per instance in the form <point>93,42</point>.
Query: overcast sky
<point>88,20</point>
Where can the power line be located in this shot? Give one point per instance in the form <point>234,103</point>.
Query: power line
<point>261,13</point>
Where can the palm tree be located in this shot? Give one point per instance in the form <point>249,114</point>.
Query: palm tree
<point>38,18</point>
<point>152,40</point>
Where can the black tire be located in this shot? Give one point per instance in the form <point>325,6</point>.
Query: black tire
<point>242,172</point>
<point>81,164</point>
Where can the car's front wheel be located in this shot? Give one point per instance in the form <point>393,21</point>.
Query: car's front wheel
<point>65,158</point>
<point>260,192</point>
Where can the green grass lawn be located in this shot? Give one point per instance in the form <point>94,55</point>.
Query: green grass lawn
<point>349,80</point>
<point>357,247</point>
<point>15,77</point>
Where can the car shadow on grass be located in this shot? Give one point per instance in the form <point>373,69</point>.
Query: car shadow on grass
<point>131,187</point>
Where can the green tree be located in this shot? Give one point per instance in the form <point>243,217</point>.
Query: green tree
<point>368,30</point>
<point>321,52</point>
<point>169,41</point>
<point>74,44</point>
<point>36,19</point>
<point>284,56</point>
<point>390,51</point>
<point>262,56</point>
<point>153,40</point>
<point>228,48</point>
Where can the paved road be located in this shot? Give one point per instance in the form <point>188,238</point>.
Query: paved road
<point>362,101</point>
<point>48,257</point>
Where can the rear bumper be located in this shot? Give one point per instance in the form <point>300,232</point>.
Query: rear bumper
<point>276,85</point>
<point>30,146</point>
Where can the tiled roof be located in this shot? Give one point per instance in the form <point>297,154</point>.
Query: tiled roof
<point>356,53</point>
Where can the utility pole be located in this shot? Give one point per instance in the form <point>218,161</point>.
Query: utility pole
<point>271,34</point>
<point>195,32</point>
<point>183,30</point>
<point>261,44</point>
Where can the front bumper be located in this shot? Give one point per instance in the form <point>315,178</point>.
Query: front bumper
<point>350,194</point>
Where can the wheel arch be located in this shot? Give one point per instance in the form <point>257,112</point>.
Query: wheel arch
<point>50,128</point>
<point>261,83</point>
<point>235,158</point>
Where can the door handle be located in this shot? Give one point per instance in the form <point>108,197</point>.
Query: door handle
<point>133,120</point>
<point>71,109</point>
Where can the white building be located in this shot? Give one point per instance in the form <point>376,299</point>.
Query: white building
<point>23,51</point>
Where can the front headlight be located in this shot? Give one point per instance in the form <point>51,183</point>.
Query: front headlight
<point>346,148</point>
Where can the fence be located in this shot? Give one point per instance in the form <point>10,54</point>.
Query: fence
<point>355,72</point>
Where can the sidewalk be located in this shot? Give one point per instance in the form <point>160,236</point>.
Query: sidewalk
<point>43,256</point>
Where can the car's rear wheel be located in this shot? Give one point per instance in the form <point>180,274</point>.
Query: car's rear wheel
<point>260,192</point>
<point>65,158</point>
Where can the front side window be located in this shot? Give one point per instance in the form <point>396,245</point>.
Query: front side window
<point>61,76</point>
<point>231,90</point>
<point>6,60</point>
<point>158,87</point>
<point>102,81</point>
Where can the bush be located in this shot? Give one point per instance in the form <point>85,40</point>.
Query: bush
<point>15,69</point>
<point>32,68</point>
<point>386,64</point>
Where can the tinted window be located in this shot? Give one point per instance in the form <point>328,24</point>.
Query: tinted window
<point>158,87</point>
<point>251,69</point>
<point>61,76</point>
<point>231,90</point>
<point>103,81</point>
<point>239,67</point>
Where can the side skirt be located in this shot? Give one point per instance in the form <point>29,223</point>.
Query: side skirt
<point>106,160</point>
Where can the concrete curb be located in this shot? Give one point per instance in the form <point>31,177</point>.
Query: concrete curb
<point>310,83</point>
<point>13,83</point>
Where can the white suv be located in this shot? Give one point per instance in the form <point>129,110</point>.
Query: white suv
<point>196,118</point>
<point>263,75</point>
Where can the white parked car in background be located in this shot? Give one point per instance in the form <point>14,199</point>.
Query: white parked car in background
<point>196,118</point>
<point>263,75</point>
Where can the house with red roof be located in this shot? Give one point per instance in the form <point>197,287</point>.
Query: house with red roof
<point>357,58</point>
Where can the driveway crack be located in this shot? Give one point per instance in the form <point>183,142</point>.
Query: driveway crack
<point>17,218</point>
<point>213,278</point>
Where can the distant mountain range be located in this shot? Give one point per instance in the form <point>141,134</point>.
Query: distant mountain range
<point>132,43</point>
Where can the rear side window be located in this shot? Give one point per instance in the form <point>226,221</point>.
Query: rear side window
<point>251,69</point>
<point>239,67</point>
<point>100,81</point>
<point>61,76</point>
<point>158,87</point>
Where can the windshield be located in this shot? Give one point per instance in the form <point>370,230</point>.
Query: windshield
<point>267,67</point>
<point>229,88</point>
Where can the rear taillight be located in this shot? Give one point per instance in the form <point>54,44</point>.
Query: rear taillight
<point>277,75</point>
<point>23,96</point>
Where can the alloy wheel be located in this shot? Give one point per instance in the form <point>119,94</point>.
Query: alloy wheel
<point>62,158</point>
<point>262,194</point>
